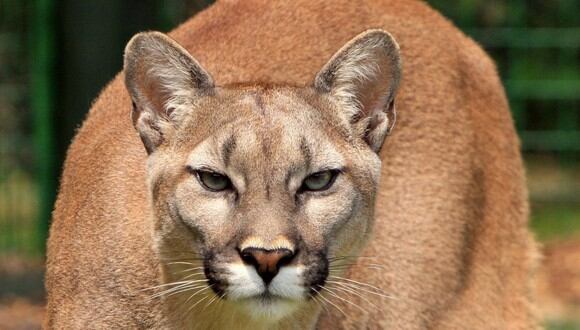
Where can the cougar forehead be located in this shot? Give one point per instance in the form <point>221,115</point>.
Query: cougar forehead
<point>273,114</point>
<point>260,135</point>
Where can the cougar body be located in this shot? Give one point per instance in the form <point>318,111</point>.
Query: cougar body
<point>442,236</point>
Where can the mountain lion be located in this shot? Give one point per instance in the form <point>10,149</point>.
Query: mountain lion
<point>238,175</point>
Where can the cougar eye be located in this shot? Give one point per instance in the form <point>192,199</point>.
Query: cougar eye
<point>213,181</point>
<point>319,181</point>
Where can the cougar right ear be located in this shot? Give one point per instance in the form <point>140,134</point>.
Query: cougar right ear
<point>363,78</point>
<point>163,80</point>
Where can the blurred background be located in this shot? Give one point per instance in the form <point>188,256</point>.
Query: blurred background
<point>56,55</point>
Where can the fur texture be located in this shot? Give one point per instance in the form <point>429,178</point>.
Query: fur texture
<point>450,213</point>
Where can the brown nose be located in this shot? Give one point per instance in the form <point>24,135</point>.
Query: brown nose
<point>266,262</point>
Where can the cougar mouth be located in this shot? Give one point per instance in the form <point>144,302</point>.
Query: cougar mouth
<point>240,281</point>
<point>267,298</point>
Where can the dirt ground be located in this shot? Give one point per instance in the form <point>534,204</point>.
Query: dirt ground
<point>20,314</point>
<point>558,288</point>
<point>559,282</point>
<point>21,293</point>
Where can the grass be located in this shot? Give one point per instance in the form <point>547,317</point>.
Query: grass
<point>19,230</point>
<point>555,221</point>
<point>559,325</point>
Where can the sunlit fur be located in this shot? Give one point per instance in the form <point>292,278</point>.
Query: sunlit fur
<point>137,242</point>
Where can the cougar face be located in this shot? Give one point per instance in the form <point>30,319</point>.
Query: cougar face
<point>255,189</point>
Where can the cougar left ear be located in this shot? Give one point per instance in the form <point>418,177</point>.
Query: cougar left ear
<point>363,78</point>
<point>164,81</point>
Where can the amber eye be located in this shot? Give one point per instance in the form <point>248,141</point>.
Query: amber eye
<point>319,181</point>
<point>213,181</point>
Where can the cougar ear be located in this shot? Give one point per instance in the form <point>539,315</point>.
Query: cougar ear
<point>363,77</point>
<point>163,80</point>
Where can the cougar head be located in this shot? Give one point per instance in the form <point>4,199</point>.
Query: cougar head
<point>257,189</point>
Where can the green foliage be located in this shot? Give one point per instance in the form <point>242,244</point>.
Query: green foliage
<point>556,221</point>
<point>536,45</point>
<point>560,325</point>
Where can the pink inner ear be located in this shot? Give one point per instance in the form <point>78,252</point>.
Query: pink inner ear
<point>155,95</point>
<point>373,95</point>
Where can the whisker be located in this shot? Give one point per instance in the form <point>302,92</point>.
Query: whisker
<point>351,291</point>
<point>355,287</point>
<point>166,284</point>
<point>197,292</point>
<point>330,302</point>
<point>354,262</point>
<point>181,263</point>
<point>177,291</point>
<point>187,286</point>
<point>189,269</point>
<point>194,274</point>
<point>319,302</point>
<point>345,266</point>
<point>341,271</point>
<point>341,298</point>
<point>356,282</point>
<point>172,283</point>
<point>199,301</point>
<point>351,257</point>
<point>316,301</point>
<point>186,270</point>
<point>191,252</point>
<point>170,293</point>
<point>181,260</point>
<point>210,302</point>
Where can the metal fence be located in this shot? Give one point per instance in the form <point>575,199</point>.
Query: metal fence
<point>536,45</point>
<point>20,196</point>
<point>539,65</point>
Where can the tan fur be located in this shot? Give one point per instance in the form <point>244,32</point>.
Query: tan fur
<point>450,222</point>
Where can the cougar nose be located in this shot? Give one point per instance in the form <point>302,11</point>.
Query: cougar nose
<point>266,262</point>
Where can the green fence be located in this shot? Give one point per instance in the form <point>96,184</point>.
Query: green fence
<point>536,45</point>
<point>20,164</point>
<point>49,74</point>
<point>543,90</point>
